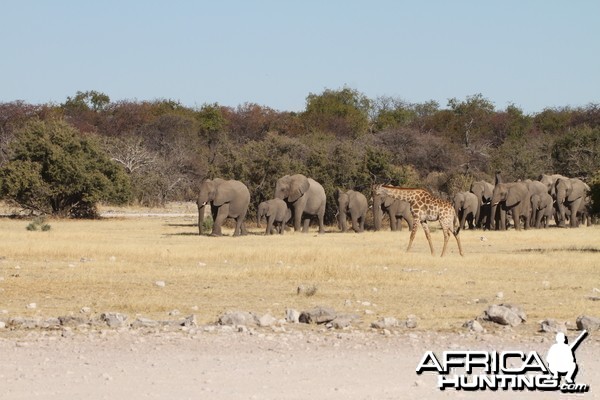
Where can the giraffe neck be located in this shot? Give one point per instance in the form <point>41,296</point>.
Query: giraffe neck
<point>406,194</point>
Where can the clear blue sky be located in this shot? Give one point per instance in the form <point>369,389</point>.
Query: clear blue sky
<point>532,53</point>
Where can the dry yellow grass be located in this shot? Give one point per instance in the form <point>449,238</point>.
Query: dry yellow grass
<point>113,265</point>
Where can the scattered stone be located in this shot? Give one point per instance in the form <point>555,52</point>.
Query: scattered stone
<point>292,316</point>
<point>594,298</point>
<point>267,320</point>
<point>385,323</point>
<point>474,326</point>
<point>201,264</point>
<point>500,295</point>
<point>113,319</point>
<point>233,318</point>
<point>72,321</point>
<point>411,322</point>
<point>23,323</point>
<point>174,313</point>
<point>553,326</point>
<point>505,314</point>
<point>2,325</point>
<point>85,310</point>
<point>31,306</point>
<point>189,322</point>
<point>318,315</point>
<point>144,323</point>
<point>160,283</point>
<point>341,322</point>
<point>588,323</point>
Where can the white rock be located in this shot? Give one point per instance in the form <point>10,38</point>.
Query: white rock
<point>31,306</point>
<point>160,283</point>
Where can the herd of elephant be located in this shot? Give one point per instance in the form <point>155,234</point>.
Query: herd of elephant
<point>531,204</point>
<point>299,198</point>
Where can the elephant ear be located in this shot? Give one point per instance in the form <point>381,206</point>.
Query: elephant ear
<point>298,186</point>
<point>388,201</point>
<point>225,193</point>
<point>512,197</point>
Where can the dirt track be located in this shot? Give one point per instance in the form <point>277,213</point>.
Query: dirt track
<point>298,364</point>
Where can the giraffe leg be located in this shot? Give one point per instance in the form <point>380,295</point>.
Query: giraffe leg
<point>413,232</point>
<point>428,235</point>
<point>446,232</point>
<point>460,250</point>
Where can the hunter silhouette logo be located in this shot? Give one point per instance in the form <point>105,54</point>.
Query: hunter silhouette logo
<point>508,370</point>
<point>561,357</point>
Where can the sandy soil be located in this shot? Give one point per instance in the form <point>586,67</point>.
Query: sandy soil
<point>260,364</point>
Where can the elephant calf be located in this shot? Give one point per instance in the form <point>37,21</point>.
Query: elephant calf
<point>277,214</point>
<point>466,205</point>
<point>355,204</point>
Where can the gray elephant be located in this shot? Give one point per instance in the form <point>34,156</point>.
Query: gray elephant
<point>550,182</point>
<point>305,197</point>
<point>466,205</point>
<point>355,204</point>
<point>542,206</point>
<point>511,197</point>
<point>483,190</point>
<point>535,187</point>
<point>277,214</point>
<point>571,194</point>
<point>396,210</point>
<point>227,199</point>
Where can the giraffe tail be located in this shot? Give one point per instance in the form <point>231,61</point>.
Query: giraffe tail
<point>456,225</point>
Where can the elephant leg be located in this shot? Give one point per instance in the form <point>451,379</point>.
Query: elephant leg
<point>298,218</point>
<point>463,218</point>
<point>355,226</point>
<point>502,223</point>
<point>306,224</point>
<point>516,219</point>
<point>342,221</point>
<point>238,226</point>
<point>321,218</point>
<point>220,218</point>
<point>574,207</point>
<point>361,225</point>
<point>428,236</point>
<point>270,219</point>
<point>413,232</point>
<point>393,222</point>
<point>471,221</point>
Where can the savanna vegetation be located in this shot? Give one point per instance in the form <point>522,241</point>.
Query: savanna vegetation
<point>114,264</point>
<point>62,159</point>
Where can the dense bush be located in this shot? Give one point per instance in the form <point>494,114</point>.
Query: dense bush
<point>153,152</point>
<point>52,169</point>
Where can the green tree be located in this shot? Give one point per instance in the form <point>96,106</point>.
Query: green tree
<point>342,112</point>
<point>55,170</point>
<point>576,153</point>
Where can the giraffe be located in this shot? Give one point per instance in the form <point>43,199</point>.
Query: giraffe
<point>426,207</point>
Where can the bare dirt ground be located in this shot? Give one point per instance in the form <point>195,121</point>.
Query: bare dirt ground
<point>257,364</point>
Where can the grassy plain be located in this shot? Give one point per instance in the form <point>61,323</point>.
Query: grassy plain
<point>113,265</point>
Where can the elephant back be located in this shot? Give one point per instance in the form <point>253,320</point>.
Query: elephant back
<point>233,192</point>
